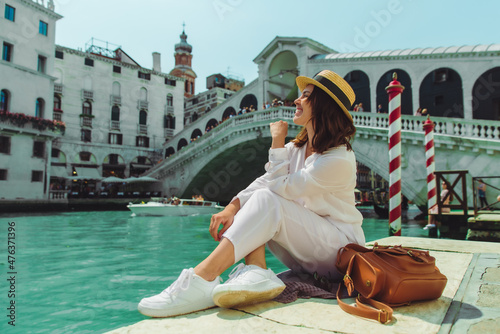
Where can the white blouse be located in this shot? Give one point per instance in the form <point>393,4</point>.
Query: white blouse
<point>323,183</point>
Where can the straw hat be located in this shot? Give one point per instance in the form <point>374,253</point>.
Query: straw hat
<point>334,85</point>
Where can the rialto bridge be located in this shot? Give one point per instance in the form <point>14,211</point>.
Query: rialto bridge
<point>460,87</point>
<point>226,159</point>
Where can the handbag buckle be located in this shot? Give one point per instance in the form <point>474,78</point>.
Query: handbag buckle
<point>379,318</point>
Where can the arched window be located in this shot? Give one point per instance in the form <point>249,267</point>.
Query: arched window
<point>57,102</point>
<point>170,100</point>
<point>40,106</point>
<point>143,117</point>
<point>115,113</point>
<point>87,108</point>
<point>4,100</point>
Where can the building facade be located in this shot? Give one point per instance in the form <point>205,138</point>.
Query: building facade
<point>117,115</point>
<point>27,129</point>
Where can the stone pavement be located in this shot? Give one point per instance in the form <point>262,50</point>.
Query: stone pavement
<point>469,304</point>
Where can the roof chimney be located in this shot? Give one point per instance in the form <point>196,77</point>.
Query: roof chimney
<point>156,62</point>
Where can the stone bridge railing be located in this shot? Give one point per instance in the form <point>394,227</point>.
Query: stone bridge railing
<point>459,127</point>
<point>455,127</point>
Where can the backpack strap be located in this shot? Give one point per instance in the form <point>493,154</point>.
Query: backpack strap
<point>377,311</point>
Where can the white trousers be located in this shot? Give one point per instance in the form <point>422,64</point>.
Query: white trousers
<point>298,237</point>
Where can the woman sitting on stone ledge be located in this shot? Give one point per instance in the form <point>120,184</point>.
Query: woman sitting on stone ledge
<point>303,208</point>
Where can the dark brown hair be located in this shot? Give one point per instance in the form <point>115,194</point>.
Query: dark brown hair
<point>331,125</point>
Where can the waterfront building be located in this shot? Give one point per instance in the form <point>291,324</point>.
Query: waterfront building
<point>27,129</point>
<point>117,113</point>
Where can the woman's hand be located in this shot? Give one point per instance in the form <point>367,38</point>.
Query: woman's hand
<point>279,131</point>
<point>224,218</point>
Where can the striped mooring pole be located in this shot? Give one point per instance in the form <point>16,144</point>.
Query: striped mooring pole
<point>429,159</point>
<point>394,91</point>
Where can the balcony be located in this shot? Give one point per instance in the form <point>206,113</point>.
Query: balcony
<point>87,94</point>
<point>169,109</point>
<point>169,133</point>
<point>142,104</point>
<point>58,88</point>
<point>142,129</point>
<point>116,100</point>
<point>114,125</point>
<point>86,122</point>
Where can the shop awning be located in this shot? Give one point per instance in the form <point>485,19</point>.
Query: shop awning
<point>59,172</point>
<point>86,173</point>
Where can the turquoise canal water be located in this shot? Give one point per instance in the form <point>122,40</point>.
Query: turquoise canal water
<point>85,272</point>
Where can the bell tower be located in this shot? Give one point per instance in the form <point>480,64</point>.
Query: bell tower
<point>182,67</point>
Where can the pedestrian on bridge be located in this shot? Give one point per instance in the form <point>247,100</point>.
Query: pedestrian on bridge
<point>303,208</point>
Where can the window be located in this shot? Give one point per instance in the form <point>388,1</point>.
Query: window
<point>117,69</point>
<point>87,108</point>
<point>89,62</point>
<point>115,138</point>
<point>170,82</point>
<point>143,117</point>
<point>441,75</point>
<point>85,156</point>
<point>57,102</point>
<point>4,100</point>
<point>169,122</point>
<point>36,176</point>
<point>42,61</point>
<point>38,149</point>
<point>7,51</point>
<point>170,100</point>
<point>115,113</point>
<point>39,108</point>
<point>59,54</point>
<point>42,28</point>
<point>3,174</point>
<point>55,153</point>
<point>146,76</point>
<point>86,135</point>
<point>141,141</point>
<point>10,13</point>
<point>5,144</point>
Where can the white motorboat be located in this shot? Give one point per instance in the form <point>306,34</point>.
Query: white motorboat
<point>174,207</point>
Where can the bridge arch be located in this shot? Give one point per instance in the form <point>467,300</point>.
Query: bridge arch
<point>282,73</point>
<point>360,83</point>
<point>182,142</point>
<point>248,100</point>
<point>195,134</point>
<point>212,123</point>
<point>486,96</point>
<point>441,93</point>
<point>407,96</point>
<point>228,112</point>
<point>169,151</point>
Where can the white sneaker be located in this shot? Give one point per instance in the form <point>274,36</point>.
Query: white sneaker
<point>247,285</point>
<point>189,293</point>
<point>429,226</point>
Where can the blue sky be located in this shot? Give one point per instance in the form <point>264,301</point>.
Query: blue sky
<point>227,35</point>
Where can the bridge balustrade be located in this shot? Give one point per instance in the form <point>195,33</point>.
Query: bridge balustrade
<point>473,129</point>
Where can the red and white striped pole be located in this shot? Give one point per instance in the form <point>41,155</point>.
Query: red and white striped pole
<point>394,91</point>
<point>429,158</point>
